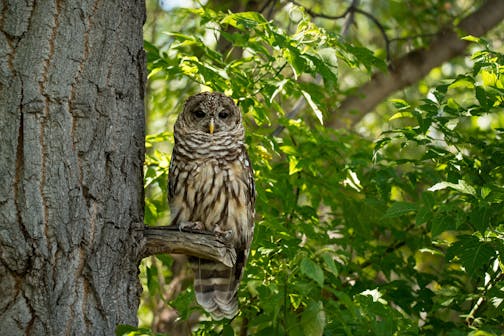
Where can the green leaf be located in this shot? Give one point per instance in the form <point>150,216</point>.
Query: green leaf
<point>279,88</point>
<point>485,191</point>
<point>291,150</point>
<point>480,218</point>
<point>400,103</point>
<point>461,186</point>
<point>150,212</point>
<point>244,20</point>
<point>441,223</point>
<point>482,98</point>
<point>296,60</point>
<point>462,81</point>
<point>330,264</point>
<point>127,330</point>
<point>329,67</point>
<point>399,209</point>
<point>352,180</point>
<point>489,78</point>
<point>423,215</point>
<point>123,329</point>
<point>227,330</point>
<point>366,57</point>
<point>314,106</point>
<point>312,271</point>
<point>313,320</point>
<point>399,115</point>
<point>183,303</point>
<point>294,165</point>
<point>152,283</point>
<point>471,38</point>
<point>473,254</point>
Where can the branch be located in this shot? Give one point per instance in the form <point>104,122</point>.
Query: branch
<point>471,317</point>
<point>322,15</point>
<point>415,65</point>
<point>350,13</point>
<point>202,244</point>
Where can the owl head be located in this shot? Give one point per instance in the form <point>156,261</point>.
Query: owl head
<point>212,113</point>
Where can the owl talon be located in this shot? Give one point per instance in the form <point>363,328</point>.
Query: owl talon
<point>191,226</point>
<point>226,235</point>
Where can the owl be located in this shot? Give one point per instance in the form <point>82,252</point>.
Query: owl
<point>211,188</point>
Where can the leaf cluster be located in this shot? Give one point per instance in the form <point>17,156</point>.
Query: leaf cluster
<point>401,235</point>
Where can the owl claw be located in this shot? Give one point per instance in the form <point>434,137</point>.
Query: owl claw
<point>226,235</point>
<point>190,226</point>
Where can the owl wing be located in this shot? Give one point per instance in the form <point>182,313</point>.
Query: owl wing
<point>172,177</point>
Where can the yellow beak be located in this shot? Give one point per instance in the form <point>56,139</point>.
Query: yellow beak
<point>211,126</point>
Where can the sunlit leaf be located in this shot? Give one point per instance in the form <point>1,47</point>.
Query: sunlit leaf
<point>314,106</point>
<point>461,186</point>
<point>401,115</point>
<point>244,20</point>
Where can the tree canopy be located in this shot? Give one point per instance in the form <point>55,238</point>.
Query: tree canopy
<point>375,129</point>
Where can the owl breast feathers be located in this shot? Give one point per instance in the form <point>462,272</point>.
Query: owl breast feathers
<point>211,187</point>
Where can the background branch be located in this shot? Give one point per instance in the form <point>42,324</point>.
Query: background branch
<point>349,14</point>
<point>415,65</point>
<point>202,244</point>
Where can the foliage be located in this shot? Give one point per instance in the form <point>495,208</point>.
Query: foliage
<point>399,235</point>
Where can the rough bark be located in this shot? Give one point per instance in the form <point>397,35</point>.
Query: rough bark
<point>415,65</point>
<point>71,153</point>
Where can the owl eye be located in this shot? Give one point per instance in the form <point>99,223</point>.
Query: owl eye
<point>199,114</point>
<point>223,114</point>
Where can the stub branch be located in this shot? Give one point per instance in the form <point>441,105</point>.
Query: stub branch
<point>196,243</point>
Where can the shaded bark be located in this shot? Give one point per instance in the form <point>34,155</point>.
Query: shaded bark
<point>413,66</point>
<point>72,145</point>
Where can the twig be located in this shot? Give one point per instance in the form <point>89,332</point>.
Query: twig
<point>380,27</point>
<point>300,104</point>
<point>202,244</point>
<point>350,19</point>
<point>392,248</point>
<point>470,318</point>
<point>324,16</point>
<point>271,4</point>
<point>351,10</point>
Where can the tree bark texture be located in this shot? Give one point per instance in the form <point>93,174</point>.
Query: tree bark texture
<point>71,155</point>
<point>413,66</point>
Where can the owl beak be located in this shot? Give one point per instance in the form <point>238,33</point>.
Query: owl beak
<point>211,126</point>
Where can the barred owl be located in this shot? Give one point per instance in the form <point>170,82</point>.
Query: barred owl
<point>211,187</point>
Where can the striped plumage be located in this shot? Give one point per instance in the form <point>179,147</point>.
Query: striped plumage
<point>211,184</point>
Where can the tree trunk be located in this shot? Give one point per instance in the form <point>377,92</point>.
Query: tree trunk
<point>71,155</point>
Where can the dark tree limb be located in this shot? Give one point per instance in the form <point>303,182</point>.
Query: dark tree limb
<point>415,65</point>
<point>202,244</point>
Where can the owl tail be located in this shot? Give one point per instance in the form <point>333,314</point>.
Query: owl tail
<point>216,287</point>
